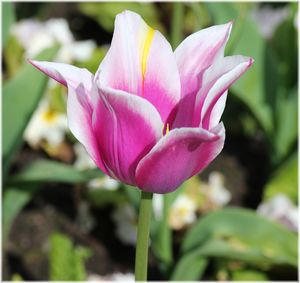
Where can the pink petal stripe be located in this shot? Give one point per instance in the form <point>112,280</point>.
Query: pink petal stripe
<point>126,128</point>
<point>79,114</point>
<point>178,156</point>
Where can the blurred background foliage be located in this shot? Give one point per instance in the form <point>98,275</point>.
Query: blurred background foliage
<point>64,220</point>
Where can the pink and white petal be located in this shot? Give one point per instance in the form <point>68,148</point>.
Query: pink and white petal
<point>197,52</point>
<point>79,107</point>
<point>218,110</point>
<point>65,74</point>
<point>140,61</point>
<point>120,69</point>
<point>161,83</point>
<point>194,56</point>
<point>216,81</point>
<point>126,128</point>
<point>178,156</point>
<point>79,114</point>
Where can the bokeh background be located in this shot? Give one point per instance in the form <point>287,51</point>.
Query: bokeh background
<point>62,219</point>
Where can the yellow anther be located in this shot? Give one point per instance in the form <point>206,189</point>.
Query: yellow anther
<point>167,129</point>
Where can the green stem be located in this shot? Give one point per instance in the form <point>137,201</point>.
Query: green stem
<point>141,253</point>
<point>177,19</point>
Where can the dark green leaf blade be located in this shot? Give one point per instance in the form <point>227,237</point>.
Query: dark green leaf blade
<point>21,95</point>
<point>189,268</point>
<point>14,199</point>
<point>53,171</point>
<point>244,235</point>
<point>8,16</point>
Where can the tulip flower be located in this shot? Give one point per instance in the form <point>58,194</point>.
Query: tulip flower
<point>150,117</point>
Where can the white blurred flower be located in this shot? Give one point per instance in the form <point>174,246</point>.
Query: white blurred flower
<point>105,182</point>
<point>83,160</point>
<point>47,125</point>
<point>280,209</point>
<point>36,36</point>
<point>157,206</point>
<point>82,50</point>
<point>124,277</point>
<point>31,36</point>
<point>117,276</point>
<point>268,19</point>
<point>59,29</point>
<point>217,192</point>
<point>182,212</point>
<point>125,219</point>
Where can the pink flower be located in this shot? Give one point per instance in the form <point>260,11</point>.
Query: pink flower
<point>150,117</point>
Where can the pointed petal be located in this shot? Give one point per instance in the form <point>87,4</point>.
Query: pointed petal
<point>197,52</point>
<point>65,74</point>
<point>79,106</point>
<point>216,81</point>
<point>140,61</point>
<point>126,127</point>
<point>194,55</point>
<point>178,156</point>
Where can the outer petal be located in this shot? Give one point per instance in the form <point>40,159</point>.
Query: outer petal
<point>194,55</point>
<point>79,106</point>
<point>126,127</point>
<point>178,156</point>
<point>140,61</point>
<point>216,81</point>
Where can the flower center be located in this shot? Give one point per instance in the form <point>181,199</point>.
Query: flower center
<point>166,129</point>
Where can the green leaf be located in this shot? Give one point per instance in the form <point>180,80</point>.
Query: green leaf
<point>60,258</point>
<point>67,261</point>
<point>106,12</point>
<point>241,234</point>
<point>81,254</point>
<point>161,232</point>
<point>53,171</point>
<point>248,275</point>
<point>21,95</point>
<point>287,126</point>
<point>284,181</point>
<point>190,267</point>
<point>14,199</point>
<point>13,56</point>
<point>287,57</point>
<point>9,18</point>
